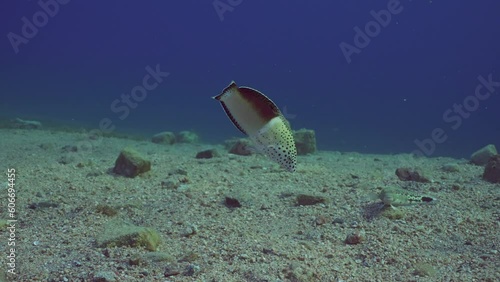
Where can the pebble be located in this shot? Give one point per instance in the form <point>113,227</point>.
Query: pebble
<point>451,167</point>
<point>105,276</point>
<point>309,200</point>
<point>338,220</point>
<point>355,238</point>
<point>232,202</point>
<point>492,170</point>
<point>164,138</point>
<point>208,154</point>
<point>407,174</point>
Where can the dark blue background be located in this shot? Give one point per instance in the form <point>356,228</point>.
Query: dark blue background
<point>393,92</point>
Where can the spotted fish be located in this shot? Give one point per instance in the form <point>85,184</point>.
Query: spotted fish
<point>259,118</point>
<point>392,196</point>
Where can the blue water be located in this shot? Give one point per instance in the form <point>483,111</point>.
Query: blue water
<point>389,94</point>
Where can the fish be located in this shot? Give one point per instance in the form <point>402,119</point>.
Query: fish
<point>258,117</point>
<point>393,197</point>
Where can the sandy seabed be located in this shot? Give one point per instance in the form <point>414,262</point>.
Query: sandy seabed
<point>62,179</point>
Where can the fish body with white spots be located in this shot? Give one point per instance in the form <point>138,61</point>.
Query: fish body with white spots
<point>254,114</point>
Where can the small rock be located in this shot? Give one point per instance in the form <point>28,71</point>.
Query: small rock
<point>308,200</point>
<point>159,257</point>
<point>46,146</point>
<point>92,173</point>
<point>69,148</point>
<point>190,257</point>
<point>407,174</point>
<point>451,167</point>
<point>424,269</point>
<point>355,238</point>
<point>88,163</point>
<point>170,184</point>
<point>190,231</point>
<point>187,137</point>
<point>338,220</point>
<point>239,147</point>
<point>136,260</point>
<point>208,154</point>
<point>43,205</point>
<point>481,156</point>
<point>305,141</point>
<point>178,171</point>
<point>265,206</point>
<point>492,170</point>
<point>165,137</point>
<point>105,276</point>
<point>320,220</point>
<point>172,270</point>
<point>26,124</point>
<point>117,234</point>
<point>232,202</point>
<point>3,223</point>
<point>130,163</point>
<point>191,270</point>
<point>392,213</point>
<point>106,210</point>
<point>67,159</point>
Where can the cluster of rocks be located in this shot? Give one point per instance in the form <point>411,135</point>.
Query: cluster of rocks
<point>131,163</point>
<point>169,138</point>
<point>489,158</point>
<point>305,141</point>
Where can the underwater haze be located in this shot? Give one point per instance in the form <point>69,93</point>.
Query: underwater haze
<point>381,76</point>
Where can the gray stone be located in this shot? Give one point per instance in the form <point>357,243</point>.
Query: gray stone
<point>130,163</point>
<point>481,156</point>
<point>159,257</point>
<point>66,159</point>
<point>187,137</point>
<point>309,200</point>
<point>305,141</point>
<point>105,276</point>
<point>164,138</point>
<point>492,170</point>
<point>208,154</point>
<point>120,234</point>
<point>408,174</point>
<point>451,167</point>
<point>239,146</point>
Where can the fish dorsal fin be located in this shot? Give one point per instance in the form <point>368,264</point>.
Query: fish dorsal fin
<point>248,109</point>
<point>260,102</point>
